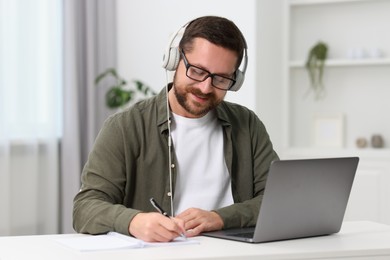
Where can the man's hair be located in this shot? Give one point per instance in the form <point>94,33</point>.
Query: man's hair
<point>217,30</point>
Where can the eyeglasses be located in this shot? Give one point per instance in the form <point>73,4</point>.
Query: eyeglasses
<point>199,74</point>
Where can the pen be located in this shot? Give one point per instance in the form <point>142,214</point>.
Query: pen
<point>158,207</point>
<point>161,210</point>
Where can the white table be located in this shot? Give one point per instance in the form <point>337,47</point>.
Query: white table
<point>356,240</point>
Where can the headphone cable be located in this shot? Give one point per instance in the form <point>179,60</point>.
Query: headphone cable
<point>169,146</point>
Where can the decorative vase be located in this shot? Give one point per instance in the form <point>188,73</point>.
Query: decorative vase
<point>361,142</point>
<point>377,141</point>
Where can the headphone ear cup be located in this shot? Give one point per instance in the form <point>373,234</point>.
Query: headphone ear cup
<point>240,76</point>
<point>171,61</point>
<point>171,56</point>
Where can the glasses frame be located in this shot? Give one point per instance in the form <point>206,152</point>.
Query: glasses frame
<point>208,74</point>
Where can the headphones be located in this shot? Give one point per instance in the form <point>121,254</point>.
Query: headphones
<point>171,58</point>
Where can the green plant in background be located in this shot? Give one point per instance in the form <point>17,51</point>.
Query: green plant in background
<point>118,95</point>
<point>315,66</point>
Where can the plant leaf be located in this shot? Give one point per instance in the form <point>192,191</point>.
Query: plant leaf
<point>117,97</point>
<point>141,87</point>
<point>109,72</point>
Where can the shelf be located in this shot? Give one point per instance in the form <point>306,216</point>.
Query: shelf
<point>366,153</point>
<point>317,2</point>
<point>346,63</point>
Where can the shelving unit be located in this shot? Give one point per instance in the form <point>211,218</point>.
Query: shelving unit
<point>358,89</point>
<point>351,85</point>
<point>316,2</point>
<point>345,62</point>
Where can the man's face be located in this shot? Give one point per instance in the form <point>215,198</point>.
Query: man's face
<point>190,98</point>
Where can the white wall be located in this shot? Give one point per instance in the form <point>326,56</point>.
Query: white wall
<point>269,61</point>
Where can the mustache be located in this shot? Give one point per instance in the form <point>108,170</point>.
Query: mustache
<point>197,92</point>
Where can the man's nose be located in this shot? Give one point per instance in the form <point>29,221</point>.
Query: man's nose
<point>206,85</point>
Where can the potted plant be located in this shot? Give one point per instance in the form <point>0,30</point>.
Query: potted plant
<point>315,66</point>
<point>119,94</point>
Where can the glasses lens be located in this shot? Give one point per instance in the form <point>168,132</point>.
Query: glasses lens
<point>222,82</point>
<point>197,73</point>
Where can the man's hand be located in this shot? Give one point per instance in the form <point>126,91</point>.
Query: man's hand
<point>197,221</point>
<point>154,227</point>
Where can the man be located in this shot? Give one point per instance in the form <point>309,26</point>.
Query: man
<point>213,174</point>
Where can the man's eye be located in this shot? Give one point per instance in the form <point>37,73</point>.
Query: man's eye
<point>220,79</point>
<point>198,72</point>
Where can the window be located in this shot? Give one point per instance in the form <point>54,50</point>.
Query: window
<point>30,68</point>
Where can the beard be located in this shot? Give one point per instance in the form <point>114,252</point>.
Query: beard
<point>194,108</point>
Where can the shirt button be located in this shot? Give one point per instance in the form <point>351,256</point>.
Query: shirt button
<point>169,194</point>
<point>172,165</point>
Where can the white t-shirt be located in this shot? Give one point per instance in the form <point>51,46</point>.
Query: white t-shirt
<point>203,179</point>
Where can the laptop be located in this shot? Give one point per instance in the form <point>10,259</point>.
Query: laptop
<point>302,198</point>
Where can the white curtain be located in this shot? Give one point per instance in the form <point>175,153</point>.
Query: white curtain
<point>89,48</point>
<point>30,115</point>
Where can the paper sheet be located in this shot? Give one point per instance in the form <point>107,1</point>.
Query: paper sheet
<point>114,241</point>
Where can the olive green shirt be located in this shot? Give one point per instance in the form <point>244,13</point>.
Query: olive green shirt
<point>129,164</point>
